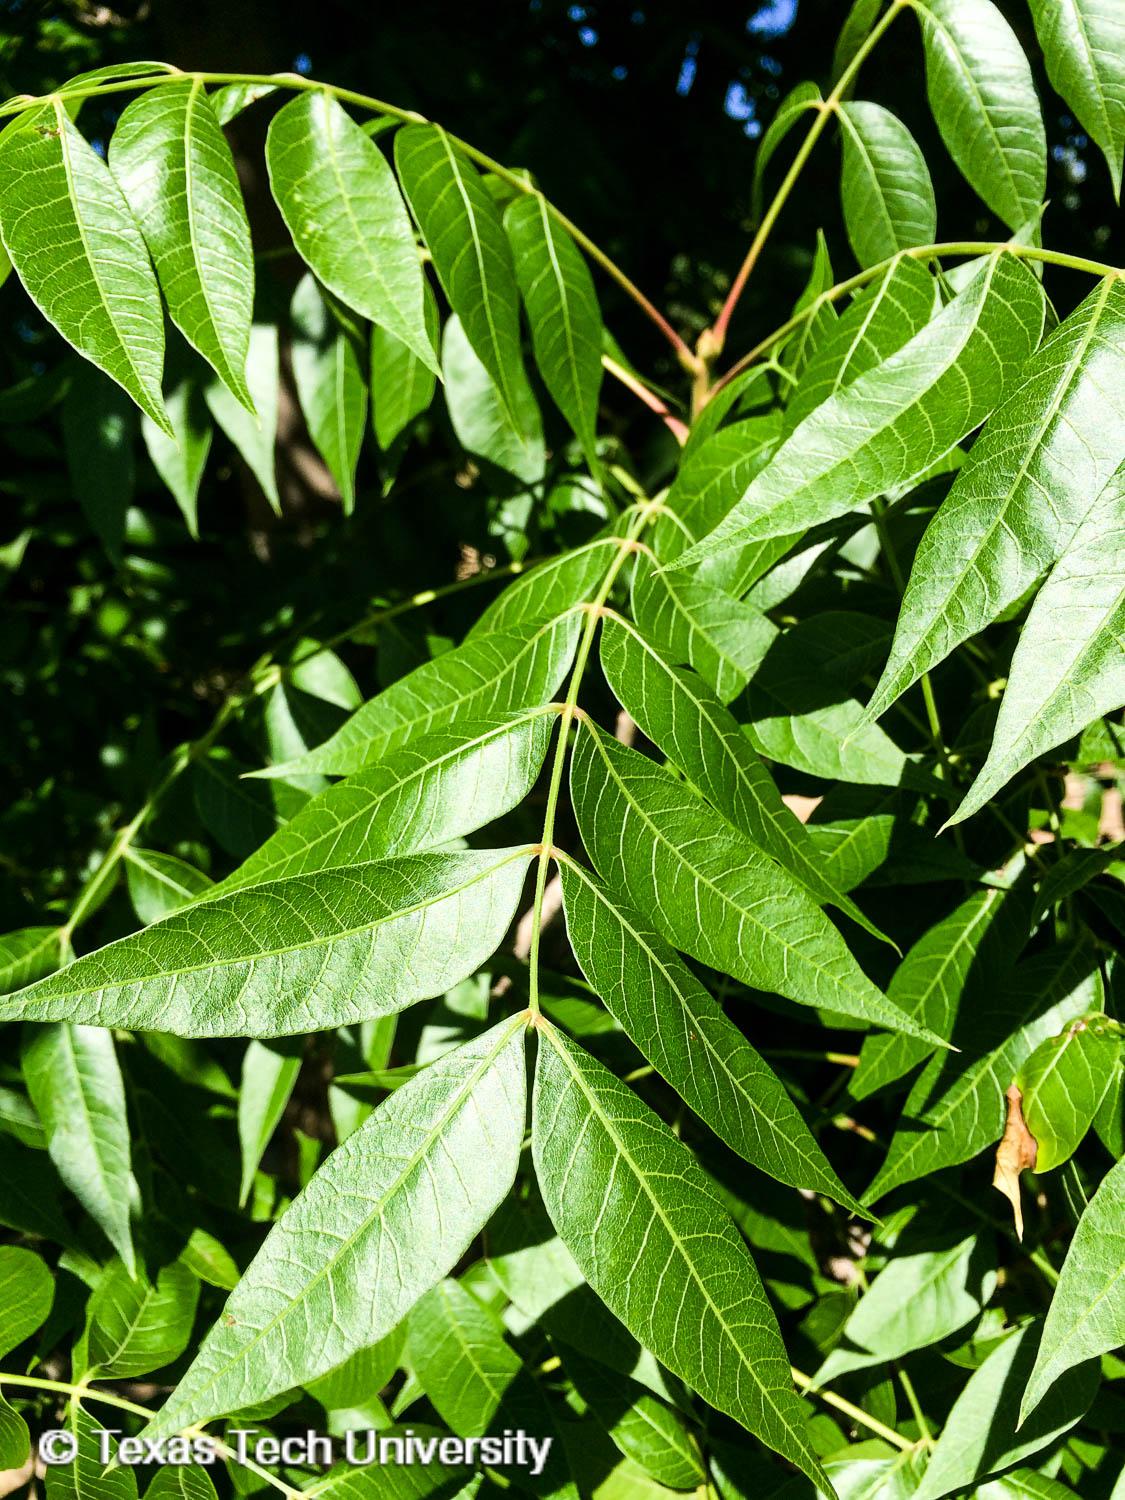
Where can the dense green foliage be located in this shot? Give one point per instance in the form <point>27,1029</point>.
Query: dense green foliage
<point>513,1008</point>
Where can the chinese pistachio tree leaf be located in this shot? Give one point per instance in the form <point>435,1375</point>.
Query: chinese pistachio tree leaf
<point>642,1427</point>
<point>181,459</point>
<point>269,1071</point>
<point>798,102</point>
<point>885,185</point>
<point>893,423</point>
<point>684,1034</point>
<point>389,1214</point>
<point>463,229</point>
<point>861,17</point>
<point>340,202</point>
<point>655,1243</point>
<point>1028,483</point>
<point>1063,1083</point>
<point>685,720</point>
<point>75,1083</point>
<point>296,955</point>
<point>984,105</point>
<point>477,1382</point>
<point>134,1325</point>
<point>77,249</point>
<point>1083,44</point>
<point>330,386</point>
<point>701,626</point>
<point>87,1476</point>
<point>161,883</point>
<point>710,891</point>
<point>437,789</point>
<point>229,101</point>
<point>1087,1313</point>
<point>957,957</point>
<point>15,1439</point>
<point>487,675</point>
<point>27,1290</point>
<point>98,438</point>
<point>980,1437</point>
<point>881,318</point>
<point>480,416</point>
<point>957,1106</point>
<point>563,313</point>
<point>172,161</point>
<point>402,385</point>
<point>914,1302</point>
<point>1069,665</point>
<point>800,710</point>
<point>711,479</point>
<point>254,437</point>
<point>28,954</point>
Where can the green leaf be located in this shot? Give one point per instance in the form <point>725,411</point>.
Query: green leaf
<point>957,958</point>
<point>291,956</point>
<point>914,1302</point>
<point>957,1107</point>
<point>254,438</point>
<point>1063,1083</point>
<point>480,415</point>
<point>801,711</point>
<point>15,1440</point>
<point>1028,484</point>
<point>688,723</point>
<point>861,17</point>
<point>643,1428</point>
<point>562,310</point>
<point>340,202</point>
<point>465,234</point>
<point>639,1217</point>
<point>28,954</point>
<point>886,189</point>
<point>75,1084</point>
<point>1069,667</point>
<point>711,892</point>
<point>437,789</point>
<point>330,386</point>
<point>27,1290</point>
<point>486,676</point>
<point>134,1327</point>
<point>160,883</point>
<point>1083,45</point>
<point>684,1034</point>
<point>894,422</point>
<point>1087,1313</point>
<point>703,627</point>
<point>402,385</point>
<point>805,97</point>
<point>78,251</point>
<point>362,1374</point>
<point>87,1476</point>
<point>882,317</point>
<point>177,173</point>
<point>712,478</point>
<point>181,459</point>
<point>980,1437</point>
<point>984,104</point>
<point>229,101</point>
<point>239,813</point>
<point>269,1071</point>
<point>478,1383</point>
<point>395,1206</point>
<point>98,434</point>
